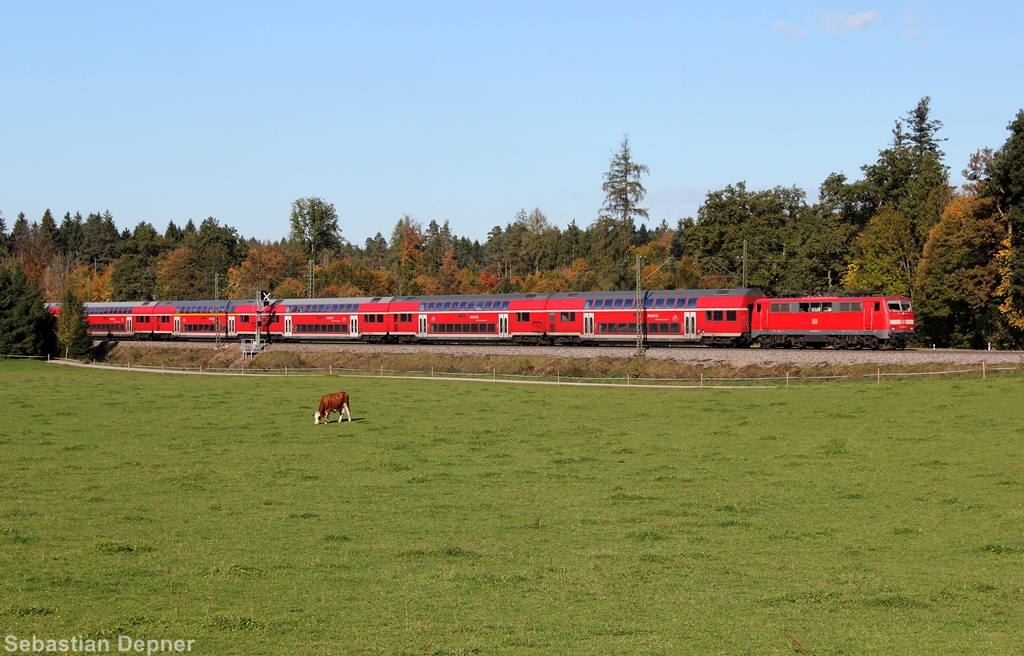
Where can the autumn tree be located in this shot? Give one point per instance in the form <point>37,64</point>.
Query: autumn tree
<point>188,272</point>
<point>406,255</point>
<point>1006,188</point>
<point>958,276</point>
<point>72,335</point>
<point>264,268</point>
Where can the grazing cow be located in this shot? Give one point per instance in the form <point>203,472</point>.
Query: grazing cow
<point>337,402</point>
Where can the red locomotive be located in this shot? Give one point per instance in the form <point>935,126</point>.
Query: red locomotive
<point>840,322</point>
<point>706,317</point>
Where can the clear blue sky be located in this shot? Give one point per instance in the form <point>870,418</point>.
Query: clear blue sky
<point>471,111</point>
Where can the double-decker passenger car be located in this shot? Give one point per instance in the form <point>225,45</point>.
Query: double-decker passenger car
<point>707,317</point>
<point>837,321</point>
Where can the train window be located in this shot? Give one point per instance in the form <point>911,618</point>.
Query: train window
<point>730,315</point>
<point>673,328</point>
<point>624,329</point>
<point>462,305</point>
<point>567,316</point>
<point>429,306</point>
<point>344,327</point>
<point>670,303</point>
<point>691,303</point>
<point>717,315</point>
<point>588,304</point>
<point>602,327</point>
<point>648,302</point>
<point>617,304</point>
<point>660,303</point>
<point>627,304</point>
<point>707,315</point>
<point>504,305</point>
<point>758,306</point>
<point>522,316</point>
<point>474,328</point>
<point>449,328</point>
<point>380,318</point>
<point>898,306</point>
<point>877,306</point>
<point>433,327</point>
<point>369,318</point>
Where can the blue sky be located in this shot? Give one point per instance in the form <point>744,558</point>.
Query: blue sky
<point>470,111</point>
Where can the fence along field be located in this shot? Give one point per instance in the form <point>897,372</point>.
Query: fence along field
<point>464,518</point>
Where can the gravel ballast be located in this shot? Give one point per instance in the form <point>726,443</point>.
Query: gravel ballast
<point>689,355</point>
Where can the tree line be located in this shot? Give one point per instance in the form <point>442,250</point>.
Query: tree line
<point>901,228</point>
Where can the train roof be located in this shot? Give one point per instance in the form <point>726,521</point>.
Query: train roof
<point>654,293</point>
<point>229,305</point>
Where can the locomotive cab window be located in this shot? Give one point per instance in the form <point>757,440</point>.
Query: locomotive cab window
<point>898,306</point>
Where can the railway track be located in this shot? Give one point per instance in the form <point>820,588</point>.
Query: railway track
<point>695,355</point>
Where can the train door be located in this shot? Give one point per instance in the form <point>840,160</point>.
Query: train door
<point>177,325</point>
<point>502,325</point>
<point>353,325</point>
<point>422,326</point>
<point>588,325</point>
<point>690,324</point>
<point>128,325</point>
<point>231,326</point>
<point>287,326</point>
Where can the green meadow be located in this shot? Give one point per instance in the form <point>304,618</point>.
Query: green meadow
<point>468,518</point>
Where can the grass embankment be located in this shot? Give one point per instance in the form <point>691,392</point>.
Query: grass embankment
<point>461,518</point>
<point>230,357</point>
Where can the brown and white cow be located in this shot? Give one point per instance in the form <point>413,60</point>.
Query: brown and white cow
<point>337,402</point>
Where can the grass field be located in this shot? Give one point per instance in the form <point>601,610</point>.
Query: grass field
<point>456,518</point>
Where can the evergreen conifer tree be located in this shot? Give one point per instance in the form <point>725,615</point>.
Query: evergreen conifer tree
<point>26,328</point>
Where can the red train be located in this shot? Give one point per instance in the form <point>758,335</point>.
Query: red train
<point>705,317</point>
